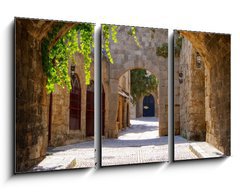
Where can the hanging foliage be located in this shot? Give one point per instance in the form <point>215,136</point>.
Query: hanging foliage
<point>162,50</point>
<point>142,83</point>
<point>56,60</point>
<point>178,44</point>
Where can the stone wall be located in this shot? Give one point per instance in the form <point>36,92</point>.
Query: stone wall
<point>176,96</point>
<point>132,110</point>
<point>32,101</point>
<point>127,55</point>
<point>31,97</point>
<point>192,94</point>
<point>214,50</point>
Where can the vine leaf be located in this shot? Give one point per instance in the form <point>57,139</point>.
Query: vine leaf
<point>79,39</point>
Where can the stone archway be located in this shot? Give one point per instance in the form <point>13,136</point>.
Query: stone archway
<point>214,50</point>
<point>112,101</point>
<point>32,101</point>
<point>127,56</point>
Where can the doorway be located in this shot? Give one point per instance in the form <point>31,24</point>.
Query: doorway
<point>148,106</point>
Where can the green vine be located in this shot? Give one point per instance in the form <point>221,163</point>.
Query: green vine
<point>142,83</point>
<point>110,32</point>
<point>178,44</point>
<point>162,50</point>
<point>56,60</point>
<point>135,36</point>
<point>106,34</point>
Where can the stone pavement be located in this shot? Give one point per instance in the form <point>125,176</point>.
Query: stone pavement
<point>181,149</point>
<point>138,144</point>
<point>80,155</point>
<point>185,150</point>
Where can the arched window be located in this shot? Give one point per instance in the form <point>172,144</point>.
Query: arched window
<point>75,104</point>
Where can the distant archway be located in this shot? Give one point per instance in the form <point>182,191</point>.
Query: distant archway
<point>148,106</point>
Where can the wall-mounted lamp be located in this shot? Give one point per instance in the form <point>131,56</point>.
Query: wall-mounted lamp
<point>180,78</point>
<point>198,60</point>
<point>73,69</point>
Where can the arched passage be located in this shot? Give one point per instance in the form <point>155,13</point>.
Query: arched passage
<point>122,100</point>
<point>214,50</point>
<point>32,105</point>
<point>148,106</point>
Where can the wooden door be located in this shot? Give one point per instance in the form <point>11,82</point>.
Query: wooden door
<point>75,105</point>
<point>148,106</point>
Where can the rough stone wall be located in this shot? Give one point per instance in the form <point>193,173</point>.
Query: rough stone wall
<point>127,55</point>
<point>139,107</point>
<point>31,97</point>
<point>60,132</point>
<point>124,82</point>
<point>215,52</point>
<point>132,110</point>
<point>176,96</point>
<point>218,124</point>
<point>32,101</point>
<point>192,95</point>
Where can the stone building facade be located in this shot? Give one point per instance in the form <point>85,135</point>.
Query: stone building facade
<point>42,120</point>
<point>127,55</point>
<point>202,89</point>
<point>60,130</point>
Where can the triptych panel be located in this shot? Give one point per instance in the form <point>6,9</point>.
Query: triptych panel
<point>55,105</point>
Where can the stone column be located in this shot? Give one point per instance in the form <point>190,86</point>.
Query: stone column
<point>111,126</point>
<point>163,108</point>
<point>139,107</point>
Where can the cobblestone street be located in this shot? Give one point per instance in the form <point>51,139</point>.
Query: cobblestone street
<point>138,144</point>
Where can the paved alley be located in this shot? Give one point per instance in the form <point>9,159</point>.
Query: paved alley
<point>138,144</point>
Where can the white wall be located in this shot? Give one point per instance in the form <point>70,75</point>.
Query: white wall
<point>204,15</point>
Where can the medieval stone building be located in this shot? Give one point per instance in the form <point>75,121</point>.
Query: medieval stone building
<point>71,114</point>
<point>43,119</point>
<point>127,55</point>
<point>202,88</point>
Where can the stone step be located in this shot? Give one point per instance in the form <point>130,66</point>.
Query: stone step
<point>204,150</point>
<point>53,162</point>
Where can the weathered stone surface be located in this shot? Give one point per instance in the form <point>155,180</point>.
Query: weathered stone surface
<point>60,128</point>
<point>33,133</point>
<point>31,97</point>
<point>205,91</point>
<point>127,55</point>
